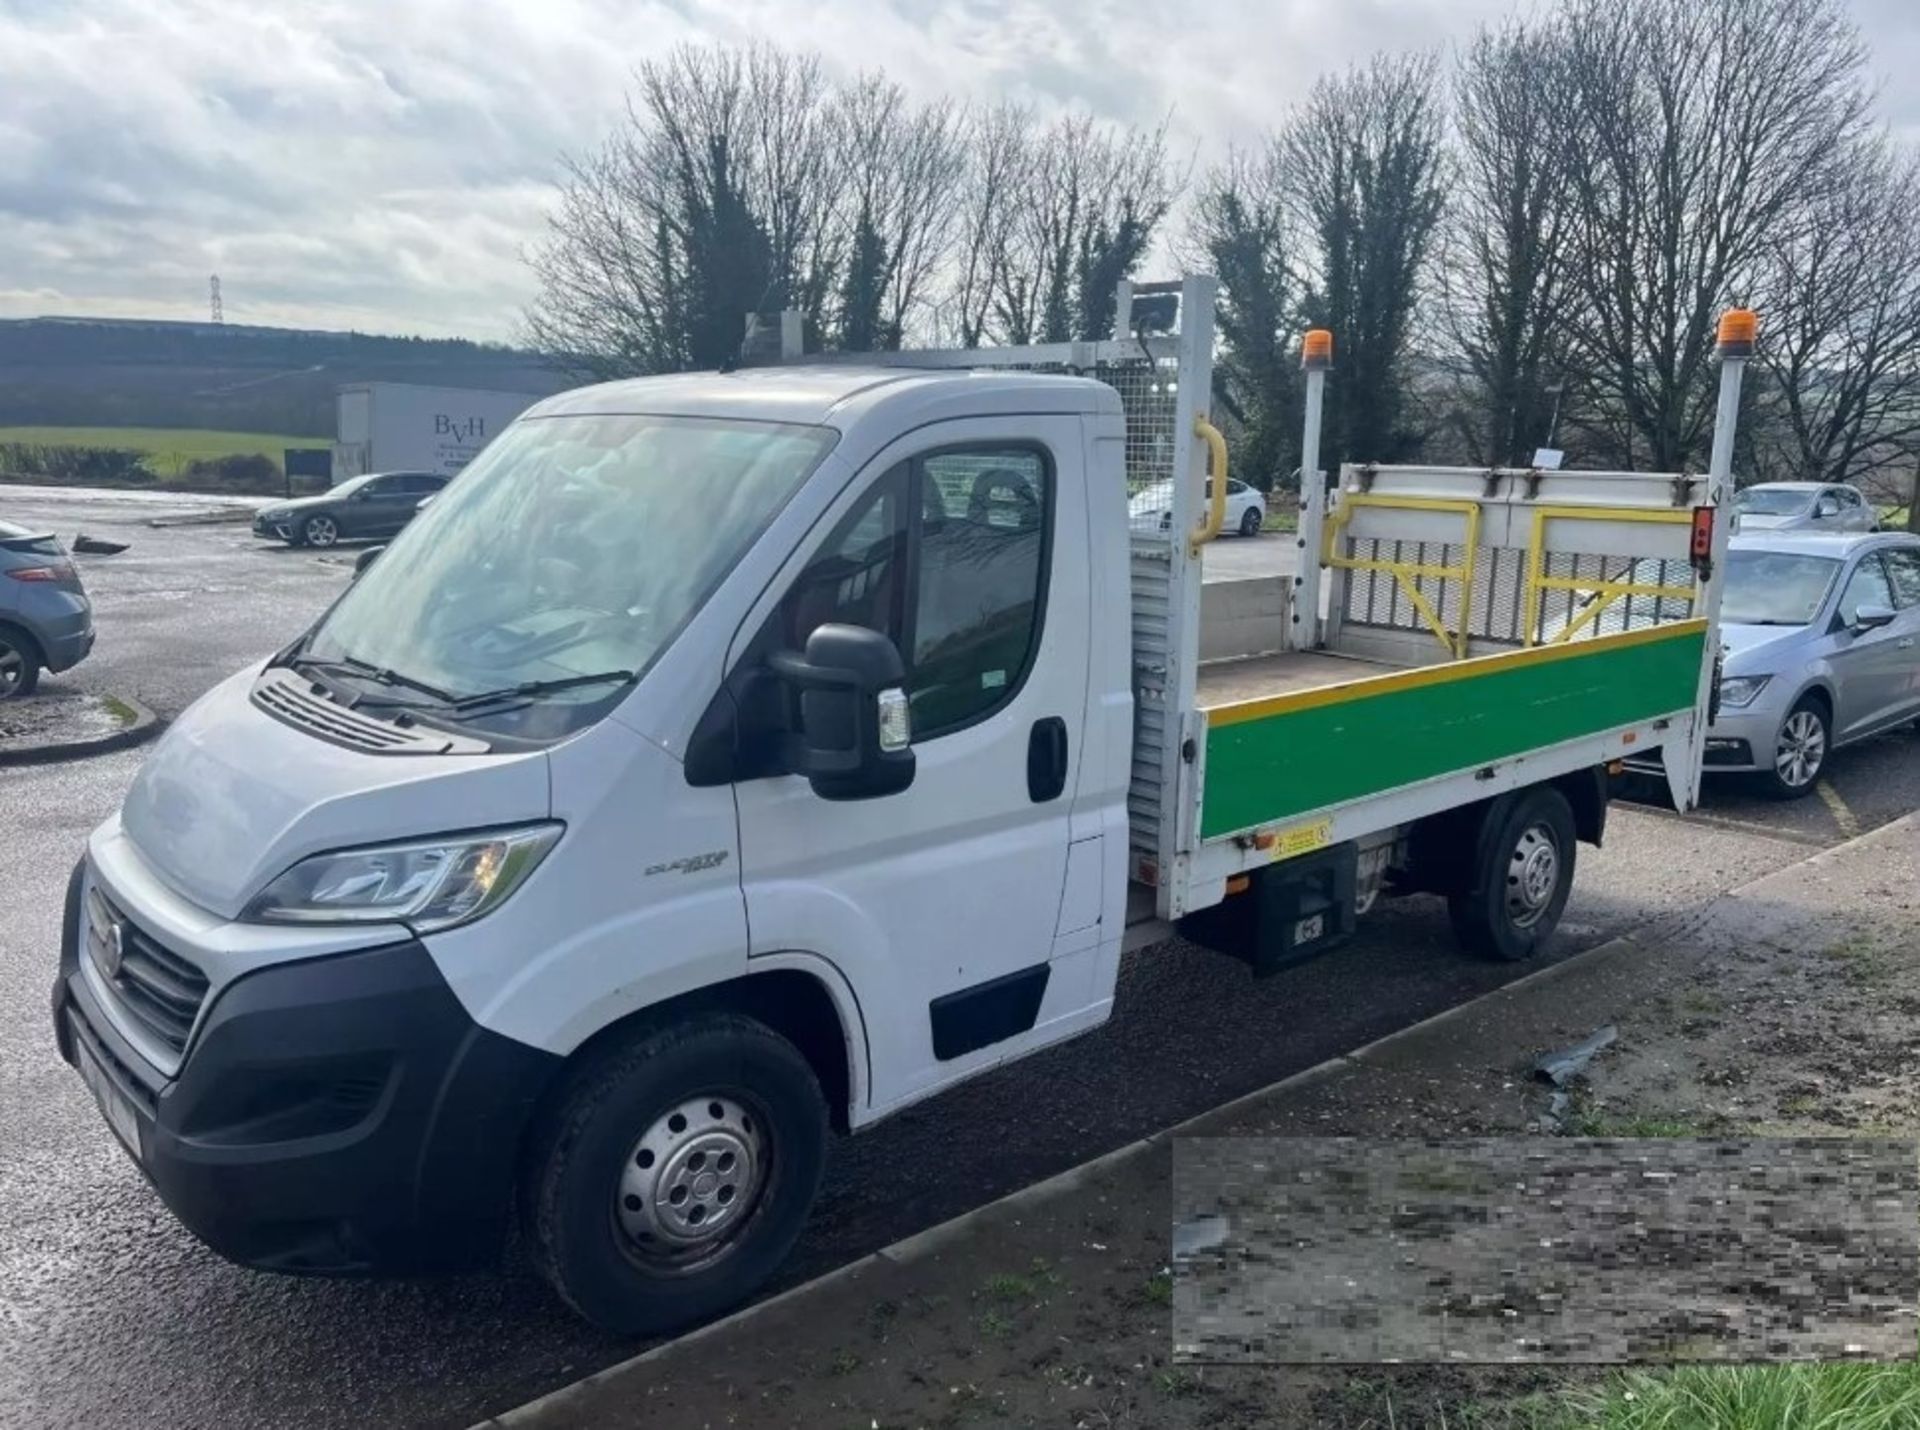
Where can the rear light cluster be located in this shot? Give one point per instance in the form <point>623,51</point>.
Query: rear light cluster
<point>54,571</point>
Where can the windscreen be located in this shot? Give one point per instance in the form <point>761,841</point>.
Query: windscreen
<point>1758,501</point>
<point>1775,588</point>
<point>572,547</point>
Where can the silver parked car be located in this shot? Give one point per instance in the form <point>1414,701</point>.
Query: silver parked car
<point>1822,635</point>
<point>46,621</point>
<point>1802,506</point>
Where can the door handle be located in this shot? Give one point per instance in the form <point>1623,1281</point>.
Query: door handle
<point>1904,643</point>
<point>1046,759</point>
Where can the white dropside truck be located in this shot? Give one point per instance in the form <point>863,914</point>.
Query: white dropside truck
<point>728,759</point>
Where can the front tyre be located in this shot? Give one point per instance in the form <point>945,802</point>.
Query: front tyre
<point>674,1174</point>
<point>1521,876</point>
<point>319,531</point>
<point>1250,523</point>
<point>1799,751</point>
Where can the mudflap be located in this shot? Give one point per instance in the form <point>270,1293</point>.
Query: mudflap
<point>1293,911</point>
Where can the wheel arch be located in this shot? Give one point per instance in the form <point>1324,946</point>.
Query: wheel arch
<point>797,996</point>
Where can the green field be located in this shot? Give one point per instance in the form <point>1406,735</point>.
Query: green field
<point>169,448</point>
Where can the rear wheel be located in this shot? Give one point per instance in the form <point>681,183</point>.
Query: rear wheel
<point>319,531</point>
<point>1799,750</point>
<point>675,1173</point>
<point>1521,876</point>
<point>1250,523</point>
<point>19,663</point>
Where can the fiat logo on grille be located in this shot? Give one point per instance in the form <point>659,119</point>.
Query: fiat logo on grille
<point>113,950</point>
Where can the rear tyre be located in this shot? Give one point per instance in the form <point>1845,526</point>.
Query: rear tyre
<point>1799,750</point>
<point>1250,523</point>
<point>674,1173</point>
<point>1521,875</point>
<point>20,663</point>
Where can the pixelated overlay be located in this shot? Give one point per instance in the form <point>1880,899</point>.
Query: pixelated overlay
<point>1598,1250</point>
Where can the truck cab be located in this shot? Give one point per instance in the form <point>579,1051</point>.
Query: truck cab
<point>565,862</point>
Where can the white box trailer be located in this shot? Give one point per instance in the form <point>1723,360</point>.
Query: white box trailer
<point>401,427</point>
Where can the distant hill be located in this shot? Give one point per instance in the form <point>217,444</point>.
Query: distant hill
<point>103,372</point>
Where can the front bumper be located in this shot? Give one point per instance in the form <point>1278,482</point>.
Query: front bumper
<point>340,1114</point>
<point>277,530</point>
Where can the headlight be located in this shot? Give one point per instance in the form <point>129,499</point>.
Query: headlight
<point>1739,690</point>
<point>428,884</point>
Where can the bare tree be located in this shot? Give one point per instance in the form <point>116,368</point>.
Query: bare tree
<point>999,154</point>
<point>903,167</point>
<point>1365,156</point>
<point>1698,129</point>
<point>1508,235</point>
<point>718,196</point>
<point>1240,230</point>
<point>1840,292</point>
<point>1083,219</point>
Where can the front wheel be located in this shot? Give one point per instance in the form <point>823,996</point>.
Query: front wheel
<point>1521,876</point>
<point>1250,523</point>
<point>319,531</point>
<point>1799,751</point>
<point>675,1173</point>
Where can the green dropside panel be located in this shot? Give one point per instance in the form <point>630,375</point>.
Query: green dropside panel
<point>1298,760</point>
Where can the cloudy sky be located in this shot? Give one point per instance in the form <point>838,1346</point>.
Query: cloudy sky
<point>383,164</point>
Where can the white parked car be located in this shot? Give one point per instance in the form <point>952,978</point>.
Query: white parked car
<point>1246,507</point>
<point>1803,506</point>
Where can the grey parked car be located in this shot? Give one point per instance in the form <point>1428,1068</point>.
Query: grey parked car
<point>1822,635</point>
<point>46,621</point>
<point>1803,506</point>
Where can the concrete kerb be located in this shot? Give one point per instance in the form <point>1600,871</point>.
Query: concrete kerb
<point>921,1244</point>
<point>145,726</point>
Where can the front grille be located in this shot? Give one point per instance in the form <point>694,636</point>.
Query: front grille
<point>156,987</point>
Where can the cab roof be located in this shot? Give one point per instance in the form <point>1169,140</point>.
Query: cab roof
<point>829,394</point>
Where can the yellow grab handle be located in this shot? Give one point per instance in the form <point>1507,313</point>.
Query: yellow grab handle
<point>1217,507</point>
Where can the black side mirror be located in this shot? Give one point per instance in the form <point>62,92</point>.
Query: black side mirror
<point>855,741</point>
<point>365,559</point>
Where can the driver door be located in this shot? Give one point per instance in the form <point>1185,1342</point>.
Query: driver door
<point>940,905</point>
<point>1871,665</point>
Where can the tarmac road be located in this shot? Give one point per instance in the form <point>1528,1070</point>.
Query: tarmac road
<point>111,1315</point>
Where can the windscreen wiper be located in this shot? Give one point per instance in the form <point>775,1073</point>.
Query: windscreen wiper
<point>379,674</point>
<point>527,688</point>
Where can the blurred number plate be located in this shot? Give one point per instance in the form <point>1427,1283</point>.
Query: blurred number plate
<point>1309,929</point>
<point>114,1106</point>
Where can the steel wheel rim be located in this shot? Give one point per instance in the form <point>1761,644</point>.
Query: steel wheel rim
<point>13,668</point>
<point>1533,873</point>
<point>321,531</point>
<point>693,1182</point>
<point>1802,748</point>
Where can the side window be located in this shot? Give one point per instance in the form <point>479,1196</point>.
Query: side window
<point>1849,498</point>
<point>858,578</point>
<point>1868,587</point>
<point>1236,488</point>
<point>985,517</point>
<point>1903,571</point>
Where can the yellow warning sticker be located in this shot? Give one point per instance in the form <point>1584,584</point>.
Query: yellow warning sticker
<point>1302,839</point>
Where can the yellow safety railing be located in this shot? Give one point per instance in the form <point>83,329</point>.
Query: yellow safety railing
<point>1539,583</point>
<point>1217,507</point>
<point>1408,574</point>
